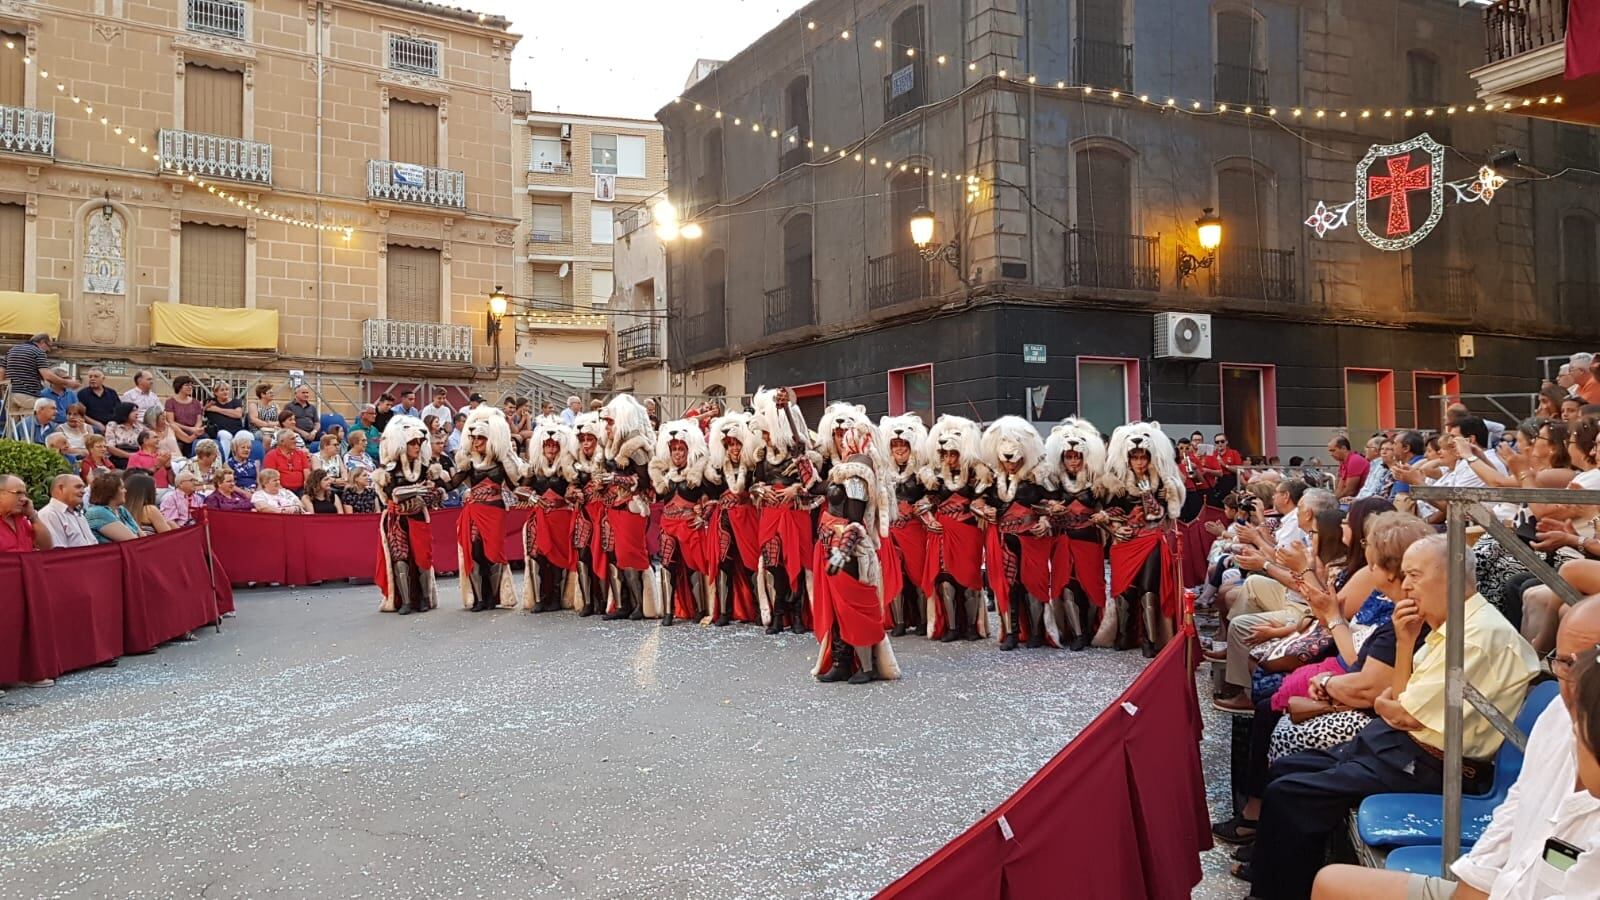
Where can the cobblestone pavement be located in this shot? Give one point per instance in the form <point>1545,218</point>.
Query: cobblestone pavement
<point>316,748</point>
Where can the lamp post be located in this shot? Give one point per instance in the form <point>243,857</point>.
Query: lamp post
<point>1209,226</point>
<point>922,226</point>
<point>498,301</point>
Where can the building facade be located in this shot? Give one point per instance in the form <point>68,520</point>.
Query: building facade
<point>1063,215</point>
<point>389,121</point>
<point>578,173</point>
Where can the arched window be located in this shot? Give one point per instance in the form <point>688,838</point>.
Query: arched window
<point>1102,248</point>
<point>1580,268</point>
<point>1247,264</point>
<point>797,124</point>
<point>905,88</point>
<point>1241,73</point>
<point>1101,53</point>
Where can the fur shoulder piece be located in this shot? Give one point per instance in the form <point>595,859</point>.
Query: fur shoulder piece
<point>662,474</point>
<point>635,449</point>
<point>841,417</point>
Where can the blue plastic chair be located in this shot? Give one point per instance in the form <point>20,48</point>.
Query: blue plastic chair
<point>331,419</point>
<point>1408,820</point>
<point>1419,860</point>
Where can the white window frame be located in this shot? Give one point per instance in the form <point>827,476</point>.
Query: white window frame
<point>602,213</point>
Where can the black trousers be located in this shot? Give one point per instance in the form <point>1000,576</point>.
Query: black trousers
<point>1309,794</point>
<point>1261,727</point>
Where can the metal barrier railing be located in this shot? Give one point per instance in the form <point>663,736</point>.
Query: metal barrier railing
<point>1463,505</point>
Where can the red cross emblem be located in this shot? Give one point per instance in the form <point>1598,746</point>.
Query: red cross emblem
<point>1397,186</point>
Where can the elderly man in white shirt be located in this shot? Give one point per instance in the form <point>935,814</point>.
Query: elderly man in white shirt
<point>1548,802</point>
<point>63,515</point>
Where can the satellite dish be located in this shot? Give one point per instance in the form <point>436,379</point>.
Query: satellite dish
<point>1186,334</point>
<point>562,272</point>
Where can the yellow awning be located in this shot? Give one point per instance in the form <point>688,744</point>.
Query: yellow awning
<point>209,328</point>
<point>30,314</point>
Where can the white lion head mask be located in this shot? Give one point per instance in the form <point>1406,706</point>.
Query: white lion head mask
<point>903,428</point>
<point>840,417</point>
<point>1012,440</point>
<point>401,431</point>
<point>1080,436</point>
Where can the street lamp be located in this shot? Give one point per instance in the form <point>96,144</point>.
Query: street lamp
<point>498,302</point>
<point>1209,226</point>
<point>922,223</point>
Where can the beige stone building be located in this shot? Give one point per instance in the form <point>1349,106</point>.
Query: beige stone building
<point>390,120</point>
<point>575,174</point>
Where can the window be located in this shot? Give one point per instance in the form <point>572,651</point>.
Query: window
<point>413,133</point>
<point>911,393</point>
<point>548,154</point>
<point>616,154</point>
<point>410,54</point>
<point>812,399</point>
<point>211,266</point>
<point>1433,391</point>
<point>1250,408</point>
<point>714,279</point>
<point>547,287</point>
<point>907,192</point>
<point>1101,55</point>
<point>13,237</point>
<point>708,187</point>
<point>1241,75</point>
<point>1247,266</point>
<point>213,101</point>
<point>601,225</point>
<point>221,17</point>
<point>13,72</point>
<point>413,280</point>
<point>549,221</point>
<point>904,88</point>
<point>792,150</point>
<point>1368,403</point>
<point>797,274</point>
<point>1108,391</point>
<point>1422,78</point>
<point>600,287</point>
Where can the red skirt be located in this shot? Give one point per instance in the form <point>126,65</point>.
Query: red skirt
<point>792,529</point>
<point>957,552</point>
<point>744,527</point>
<point>553,536</point>
<point>627,539</point>
<point>910,545</point>
<point>420,533</point>
<point>1084,560</point>
<point>856,607</point>
<point>489,523</point>
<point>1127,559</point>
<point>1033,567</point>
<point>695,545</point>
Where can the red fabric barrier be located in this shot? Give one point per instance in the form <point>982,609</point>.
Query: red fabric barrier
<point>299,550</point>
<point>80,607</point>
<point>1119,813</point>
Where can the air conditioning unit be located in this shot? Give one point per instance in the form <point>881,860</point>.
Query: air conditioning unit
<point>1183,336</point>
<point>566,132</point>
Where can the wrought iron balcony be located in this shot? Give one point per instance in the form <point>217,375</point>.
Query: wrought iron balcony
<point>1447,290</point>
<point>706,331</point>
<point>227,18</point>
<point>548,236</point>
<point>790,307</point>
<point>410,183</point>
<point>899,277</point>
<point>1515,27</point>
<point>1104,259</point>
<point>1239,84</point>
<point>904,89</point>
<point>1254,273</point>
<point>24,130</point>
<point>410,54</point>
<point>418,342</point>
<point>546,167</point>
<point>217,157</point>
<point>637,342</point>
<point>1102,64</point>
<point>632,219</point>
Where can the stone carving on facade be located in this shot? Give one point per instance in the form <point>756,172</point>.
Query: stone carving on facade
<point>107,31</point>
<point>414,82</point>
<point>502,102</point>
<point>14,9</point>
<point>105,319</point>
<point>503,237</point>
<point>31,211</point>
<point>213,44</point>
<point>104,253</point>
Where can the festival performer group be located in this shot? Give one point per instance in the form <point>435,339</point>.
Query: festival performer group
<point>855,532</point>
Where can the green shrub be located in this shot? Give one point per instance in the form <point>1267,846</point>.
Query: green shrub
<point>36,465</point>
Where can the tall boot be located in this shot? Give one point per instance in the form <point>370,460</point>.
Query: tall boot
<point>586,591</point>
<point>952,615</point>
<point>724,598</point>
<point>839,657</point>
<point>778,599</point>
<point>916,612</point>
<point>635,582</point>
<point>1127,622</point>
<point>405,589</point>
<point>1083,630</point>
<point>549,587</point>
<point>618,584</point>
<point>797,617</point>
<point>1011,622</point>
<point>1150,606</point>
<point>864,672</point>
<point>974,609</point>
<point>1036,615</point>
<point>897,614</point>
<point>668,597</point>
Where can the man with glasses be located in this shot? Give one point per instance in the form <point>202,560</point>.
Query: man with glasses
<point>1223,462</point>
<point>20,529</point>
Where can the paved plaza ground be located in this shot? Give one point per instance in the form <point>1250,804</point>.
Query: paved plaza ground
<point>317,748</point>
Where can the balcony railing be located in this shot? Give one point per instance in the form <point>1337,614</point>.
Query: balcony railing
<point>1239,84</point>
<point>790,307</point>
<point>899,277</point>
<point>903,89</point>
<point>1104,259</point>
<point>1514,27</point>
<point>1254,273</point>
<point>420,342</point>
<point>705,331</point>
<point>24,130</point>
<point>409,54</point>
<point>228,18</point>
<point>409,183</point>
<point>550,236</point>
<point>546,167</point>
<point>1580,303</point>
<point>1103,64</point>
<point>631,220</point>
<point>217,157</point>
<point>637,342</point>
<point>1449,290</point>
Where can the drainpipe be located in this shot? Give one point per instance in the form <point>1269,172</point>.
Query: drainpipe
<point>321,285</point>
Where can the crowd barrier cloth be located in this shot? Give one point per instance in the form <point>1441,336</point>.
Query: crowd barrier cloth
<point>1120,812</point>
<point>83,606</point>
<point>299,550</point>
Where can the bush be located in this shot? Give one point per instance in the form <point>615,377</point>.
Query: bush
<point>36,465</point>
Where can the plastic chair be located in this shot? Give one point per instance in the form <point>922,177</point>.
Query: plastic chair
<point>1408,820</point>
<point>331,419</point>
<point>1419,860</point>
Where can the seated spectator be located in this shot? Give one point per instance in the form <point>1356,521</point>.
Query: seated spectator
<point>224,415</point>
<point>35,428</point>
<point>1379,481</point>
<point>272,497</point>
<point>1352,468</point>
<point>1503,579</point>
<point>160,422</point>
<point>99,400</point>
<point>360,496</point>
<point>20,528</point>
<point>574,409</point>
<point>262,415</point>
<point>152,459</point>
<point>320,496</point>
<point>60,392</point>
<point>178,506</point>
<point>330,461</point>
<point>143,395</point>
<point>108,513</point>
<point>97,459</point>
<point>1571,410</point>
<point>186,412</point>
<point>366,427</point>
<point>141,501</point>
<point>207,464</point>
<point>122,435</point>
<point>1308,795</point>
<point>227,497</point>
<point>77,430</point>
<point>58,442</point>
<point>286,423</point>
<point>439,408</point>
<point>1556,798</point>
<point>63,516</point>
<point>244,468</point>
<point>1550,398</point>
<point>289,462</point>
<point>357,457</point>
<point>306,422</point>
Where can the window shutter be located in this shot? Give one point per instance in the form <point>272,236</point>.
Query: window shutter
<point>213,101</point>
<point>547,285</point>
<point>601,225</point>
<point>413,133</point>
<point>548,219</point>
<point>413,280</point>
<point>211,266</point>
<point>630,157</point>
<point>13,73</point>
<point>600,287</point>
<point>1236,34</point>
<point>1105,191</point>
<point>13,219</point>
<point>1240,202</point>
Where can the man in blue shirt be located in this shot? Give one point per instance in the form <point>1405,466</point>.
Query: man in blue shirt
<point>63,396</point>
<point>1408,445</point>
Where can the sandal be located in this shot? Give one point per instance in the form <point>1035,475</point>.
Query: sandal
<point>1237,830</point>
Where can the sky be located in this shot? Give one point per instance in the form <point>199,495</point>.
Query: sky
<point>624,57</point>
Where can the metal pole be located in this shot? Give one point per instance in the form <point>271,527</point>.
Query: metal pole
<point>1454,694</point>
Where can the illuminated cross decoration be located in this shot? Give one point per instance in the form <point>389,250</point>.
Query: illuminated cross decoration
<point>1397,186</point>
